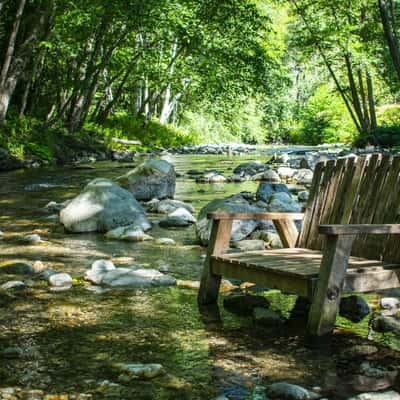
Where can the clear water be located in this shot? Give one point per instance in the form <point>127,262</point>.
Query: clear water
<point>69,340</point>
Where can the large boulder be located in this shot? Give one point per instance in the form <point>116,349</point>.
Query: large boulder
<point>266,190</point>
<point>232,204</point>
<point>154,178</point>
<point>103,206</point>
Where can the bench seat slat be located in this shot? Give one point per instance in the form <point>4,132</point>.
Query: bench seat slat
<point>296,270</point>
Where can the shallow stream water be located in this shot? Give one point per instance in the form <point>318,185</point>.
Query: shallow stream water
<point>69,340</point>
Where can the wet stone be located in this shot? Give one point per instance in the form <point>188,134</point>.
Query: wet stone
<point>389,395</point>
<point>288,391</point>
<point>15,285</point>
<point>249,245</point>
<point>61,280</point>
<point>354,308</point>
<point>390,303</point>
<point>138,371</point>
<point>165,241</point>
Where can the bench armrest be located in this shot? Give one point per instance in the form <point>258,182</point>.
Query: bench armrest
<point>266,215</point>
<point>354,229</point>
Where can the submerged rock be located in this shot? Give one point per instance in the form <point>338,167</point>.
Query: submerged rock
<point>154,178</point>
<point>98,269</point>
<point>165,241</point>
<point>288,391</point>
<point>138,371</point>
<point>14,285</point>
<point>128,233</point>
<point>17,268</point>
<point>133,277</point>
<point>103,206</point>
<point>389,395</point>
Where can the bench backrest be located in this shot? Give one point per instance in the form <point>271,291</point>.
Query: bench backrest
<point>357,190</point>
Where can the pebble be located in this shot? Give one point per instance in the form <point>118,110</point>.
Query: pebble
<point>288,391</point>
<point>16,285</point>
<point>165,241</point>
<point>389,303</point>
<point>38,267</point>
<point>138,371</point>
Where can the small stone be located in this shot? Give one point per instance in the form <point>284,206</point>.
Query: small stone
<point>16,285</point>
<point>38,267</point>
<point>165,241</point>
<point>184,214</point>
<point>138,371</point>
<point>174,222</point>
<point>354,308</point>
<point>12,352</point>
<point>32,239</point>
<point>60,280</point>
<point>98,269</point>
<point>385,323</point>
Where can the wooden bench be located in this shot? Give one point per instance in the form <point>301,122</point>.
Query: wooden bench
<point>349,241</point>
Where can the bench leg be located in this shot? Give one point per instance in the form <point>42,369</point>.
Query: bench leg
<point>325,303</point>
<point>219,241</point>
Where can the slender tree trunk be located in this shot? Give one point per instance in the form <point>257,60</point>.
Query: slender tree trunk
<point>370,91</point>
<point>364,100</point>
<point>390,34</point>
<point>8,82</point>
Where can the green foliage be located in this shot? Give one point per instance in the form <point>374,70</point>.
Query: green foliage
<point>125,126</point>
<point>389,115</point>
<point>324,119</point>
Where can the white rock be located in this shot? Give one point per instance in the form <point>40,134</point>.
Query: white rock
<point>138,371</point>
<point>13,285</point>
<point>184,214</point>
<point>389,303</point>
<point>62,279</point>
<point>390,395</point>
<point>286,172</point>
<point>165,241</point>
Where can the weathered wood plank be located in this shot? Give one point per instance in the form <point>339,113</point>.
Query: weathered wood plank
<point>266,215</point>
<point>218,243</point>
<point>287,231</point>
<point>355,229</point>
<point>311,204</point>
<point>325,303</point>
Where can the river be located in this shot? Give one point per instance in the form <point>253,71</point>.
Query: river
<point>69,340</point>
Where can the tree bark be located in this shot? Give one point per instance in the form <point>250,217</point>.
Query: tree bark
<point>390,34</point>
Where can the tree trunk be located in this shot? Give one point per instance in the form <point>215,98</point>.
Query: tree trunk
<point>370,91</point>
<point>390,34</point>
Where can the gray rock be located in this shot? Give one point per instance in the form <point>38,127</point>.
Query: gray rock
<point>168,206</point>
<point>354,308</point>
<point>131,371</point>
<point>174,222</point>
<point>266,190</point>
<point>124,277</point>
<point>61,280</point>
<point>286,172</point>
<point>15,285</point>
<point>288,391</point>
<point>266,317</point>
<point>183,213</point>
<point>154,178</point>
<point>103,206</point>
<point>128,233</point>
<point>233,204</point>
<point>271,176</point>
<point>389,395</point>
<point>249,168</point>
<point>303,176</point>
<point>12,352</point>
<point>249,245</point>
<point>98,269</point>
<point>283,202</point>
